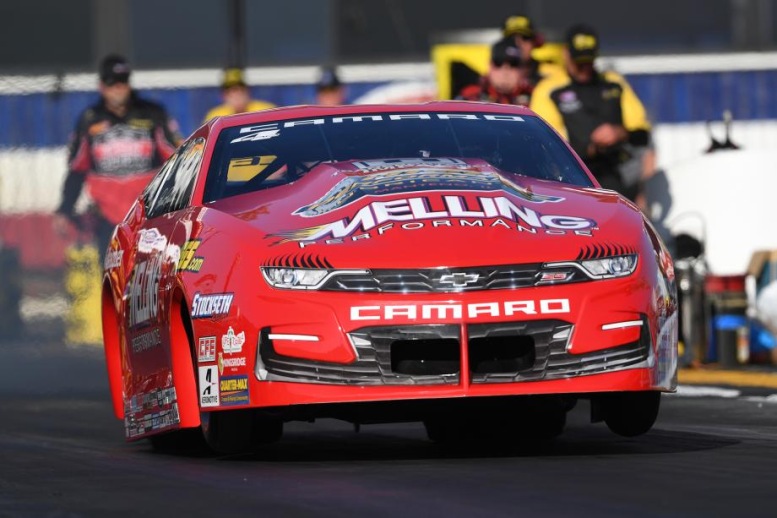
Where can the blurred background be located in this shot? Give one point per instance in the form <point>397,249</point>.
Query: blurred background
<point>690,62</point>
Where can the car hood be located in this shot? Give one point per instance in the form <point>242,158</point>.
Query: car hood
<point>446,212</point>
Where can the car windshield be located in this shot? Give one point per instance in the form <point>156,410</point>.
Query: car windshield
<point>250,158</point>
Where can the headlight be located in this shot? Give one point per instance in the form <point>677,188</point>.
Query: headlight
<point>603,268</point>
<point>294,278</point>
<point>607,267</point>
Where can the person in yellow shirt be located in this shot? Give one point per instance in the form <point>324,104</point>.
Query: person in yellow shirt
<point>600,116</point>
<point>236,96</point>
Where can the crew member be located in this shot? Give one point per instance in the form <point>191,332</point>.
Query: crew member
<point>118,145</point>
<point>505,82</point>
<point>519,30</point>
<point>330,91</point>
<point>236,97</point>
<point>598,113</point>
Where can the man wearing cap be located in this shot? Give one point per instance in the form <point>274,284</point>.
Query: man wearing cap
<point>520,30</point>
<point>236,97</point>
<point>505,81</point>
<point>330,91</point>
<point>117,146</point>
<point>598,113</point>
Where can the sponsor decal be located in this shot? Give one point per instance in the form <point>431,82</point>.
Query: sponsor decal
<point>209,386</point>
<point>267,131</point>
<point>150,400</point>
<point>173,254</point>
<point>233,343</point>
<point>611,93</point>
<point>568,96</point>
<point>474,311</point>
<point>145,341</point>
<point>371,166</point>
<point>244,169</point>
<point>150,240</point>
<point>569,104</point>
<point>113,259</point>
<point>99,127</point>
<point>204,306</point>
<point>145,124</point>
<point>120,149</point>
<point>137,425</point>
<point>230,363</point>
<point>437,210</point>
<point>150,411</point>
<point>234,390</point>
<point>188,262</point>
<point>354,188</point>
<point>206,350</point>
<point>144,291</point>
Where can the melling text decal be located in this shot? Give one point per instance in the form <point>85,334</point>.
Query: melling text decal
<point>438,210</point>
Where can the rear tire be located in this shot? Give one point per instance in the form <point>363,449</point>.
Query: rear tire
<point>630,414</point>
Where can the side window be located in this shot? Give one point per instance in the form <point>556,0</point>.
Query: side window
<point>151,193</point>
<point>175,187</point>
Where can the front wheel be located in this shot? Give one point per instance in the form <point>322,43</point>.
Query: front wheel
<point>631,413</point>
<point>239,431</point>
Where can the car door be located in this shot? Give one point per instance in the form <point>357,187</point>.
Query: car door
<point>157,250</point>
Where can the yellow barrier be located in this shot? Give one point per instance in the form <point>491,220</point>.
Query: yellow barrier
<point>82,284</point>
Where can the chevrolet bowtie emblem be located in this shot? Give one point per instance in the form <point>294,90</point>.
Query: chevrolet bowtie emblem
<point>459,280</point>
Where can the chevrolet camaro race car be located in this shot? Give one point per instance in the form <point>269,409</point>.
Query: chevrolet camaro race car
<point>452,263</point>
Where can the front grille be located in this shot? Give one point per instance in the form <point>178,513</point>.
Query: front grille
<point>443,280</point>
<point>431,355</point>
<point>385,356</point>
<point>551,359</point>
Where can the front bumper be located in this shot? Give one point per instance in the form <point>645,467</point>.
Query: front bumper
<point>436,354</point>
<point>503,343</point>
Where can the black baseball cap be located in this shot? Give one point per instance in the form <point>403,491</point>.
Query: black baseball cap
<point>114,69</point>
<point>519,25</point>
<point>328,80</point>
<point>583,43</point>
<point>505,51</point>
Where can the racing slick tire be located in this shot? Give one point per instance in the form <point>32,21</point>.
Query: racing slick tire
<point>186,441</point>
<point>239,431</point>
<point>631,413</point>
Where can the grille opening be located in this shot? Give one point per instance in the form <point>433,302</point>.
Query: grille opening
<point>501,354</point>
<point>425,357</point>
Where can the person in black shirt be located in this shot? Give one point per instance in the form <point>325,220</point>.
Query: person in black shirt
<point>599,114</point>
<point>117,146</point>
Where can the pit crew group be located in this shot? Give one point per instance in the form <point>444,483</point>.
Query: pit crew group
<point>596,111</point>
<point>122,139</point>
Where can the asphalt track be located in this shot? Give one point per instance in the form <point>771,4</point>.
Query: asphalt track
<point>712,453</point>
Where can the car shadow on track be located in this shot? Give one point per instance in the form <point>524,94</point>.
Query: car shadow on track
<point>408,442</point>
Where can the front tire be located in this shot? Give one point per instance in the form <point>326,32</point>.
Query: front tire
<point>239,431</point>
<point>630,414</point>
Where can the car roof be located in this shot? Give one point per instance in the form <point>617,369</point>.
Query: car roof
<point>296,112</point>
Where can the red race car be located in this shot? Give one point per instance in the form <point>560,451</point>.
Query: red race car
<point>452,263</point>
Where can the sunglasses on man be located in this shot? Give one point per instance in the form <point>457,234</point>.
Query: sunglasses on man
<point>510,62</point>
